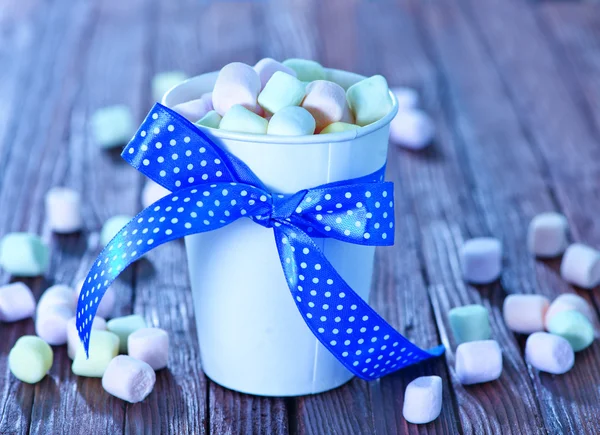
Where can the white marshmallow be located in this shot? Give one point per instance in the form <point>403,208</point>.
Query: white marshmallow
<point>481,260</point>
<point>128,379</point>
<point>547,235</point>
<point>51,323</point>
<point>237,83</point>
<point>326,102</point>
<point>549,353</point>
<point>407,98</point>
<point>525,313</point>
<point>423,400</point>
<point>569,302</point>
<point>61,295</point>
<point>63,210</point>
<point>150,345</point>
<point>16,302</point>
<point>581,266</point>
<point>412,129</point>
<point>265,68</point>
<point>73,341</point>
<point>194,110</point>
<point>153,192</point>
<point>107,304</point>
<point>478,361</point>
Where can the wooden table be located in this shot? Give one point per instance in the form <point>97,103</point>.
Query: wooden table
<point>513,88</point>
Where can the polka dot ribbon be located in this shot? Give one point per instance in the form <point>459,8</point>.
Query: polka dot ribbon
<point>212,188</point>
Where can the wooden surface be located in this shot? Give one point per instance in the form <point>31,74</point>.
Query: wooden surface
<point>514,89</point>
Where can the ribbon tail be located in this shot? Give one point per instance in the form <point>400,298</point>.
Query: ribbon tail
<point>341,320</point>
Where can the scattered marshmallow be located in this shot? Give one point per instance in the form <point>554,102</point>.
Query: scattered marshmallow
<point>164,81</point>
<point>103,347</point>
<point>63,210</point>
<point>152,192</point>
<point>423,400</point>
<point>547,235</point>
<point>107,304</point>
<point>291,121</point>
<point>326,102</point>
<point>265,68</point>
<point>24,254</point>
<point>128,379</point>
<point>525,313</point>
<point>237,84</point>
<point>125,326</point>
<point>581,266</point>
<point>481,260</point>
<point>306,70</point>
<point>407,98</point>
<point>212,120</point>
<point>282,90</point>
<point>369,99</point>
<point>112,227</point>
<point>73,341</point>
<point>150,345</point>
<point>569,302</point>
<point>54,310</point>
<point>338,127</point>
<point>242,120</point>
<point>16,302</point>
<point>112,126</point>
<point>195,109</point>
<point>412,129</point>
<point>470,323</point>
<point>30,359</point>
<point>574,327</point>
<point>549,353</point>
<point>478,362</point>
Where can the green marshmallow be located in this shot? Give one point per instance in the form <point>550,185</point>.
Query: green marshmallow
<point>369,100</point>
<point>306,70</point>
<point>212,119</point>
<point>164,81</point>
<point>470,323</point>
<point>338,127</point>
<point>124,327</point>
<point>24,254</point>
<point>112,226</point>
<point>242,120</point>
<point>104,346</point>
<point>30,359</point>
<point>282,90</point>
<point>574,327</point>
<point>112,126</point>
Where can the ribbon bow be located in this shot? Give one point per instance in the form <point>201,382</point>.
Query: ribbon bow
<point>212,188</point>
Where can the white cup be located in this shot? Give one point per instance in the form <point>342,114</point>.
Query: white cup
<point>252,337</point>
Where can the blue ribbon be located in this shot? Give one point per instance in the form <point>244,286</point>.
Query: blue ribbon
<point>212,188</point>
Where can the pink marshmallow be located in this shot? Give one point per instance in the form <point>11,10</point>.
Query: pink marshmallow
<point>194,110</point>
<point>128,379</point>
<point>51,323</point>
<point>237,83</point>
<point>525,313</point>
<point>16,302</point>
<point>570,302</point>
<point>107,304</point>
<point>73,342</point>
<point>265,68</point>
<point>326,102</point>
<point>150,345</point>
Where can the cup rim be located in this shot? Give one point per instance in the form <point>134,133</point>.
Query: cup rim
<point>343,136</point>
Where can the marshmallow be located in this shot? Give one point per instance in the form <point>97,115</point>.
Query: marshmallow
<point>369,100</point>
<point>57,295</point>
<point>16,302</point>
<point>470,323</point>
<point>112,227</point>
<point>54,310</point>
<point>407,98</point>
<point>306,70</point>
<point>242,120</point>
<point>195,109</point>
<point>112,126</point>
<point>24,254</point>
<point>30,359</point>
<point>63,210</point>
<point>423,400</point>
<point>73,341</point>
<point>549,353</point>
<point>128,379</point>
<point>326,102</point>
<point>124,326</point>
<point>412,129</point>
<point>152,192</point>
<point>338,127</point>
<point>106,305</point>
<point>525,313</point>
<point>212,120</point>
<point>481,260</point>
<point>573,327</point>
<point>581,266</point>
<point>282,90</point>
<point>547,235</point>
<point>237,84</point>
<point>164,81</point>
<point>347,115</point>
<point>104,346</point>
<point>291,121</point>
<point>150,345</point>
<point>265,68</point>
<point>569,302</point>
<point>478,361</point>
